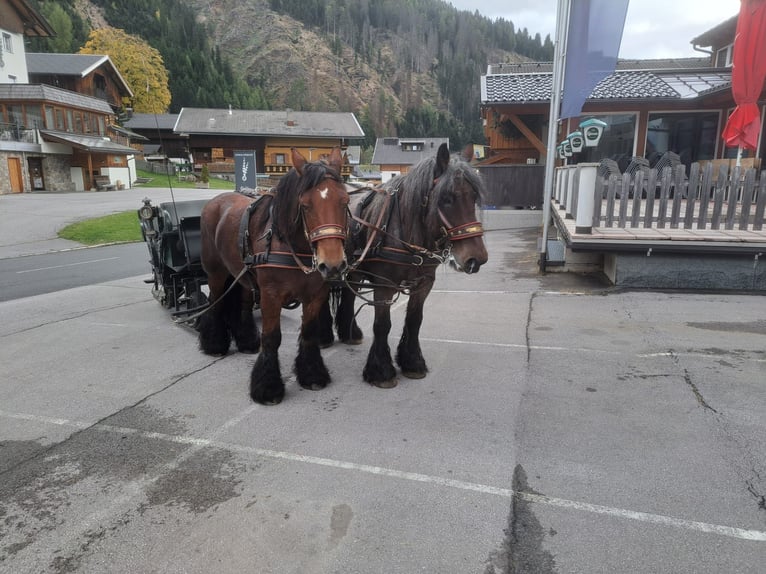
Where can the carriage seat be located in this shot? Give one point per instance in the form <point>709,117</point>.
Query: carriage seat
<point>191,236</point>
<point>175,212</point>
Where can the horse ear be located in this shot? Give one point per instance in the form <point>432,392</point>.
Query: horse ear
<point>442,160</point>
<point>336,159</point>
<point>298,160</point>
<point>467,154</point>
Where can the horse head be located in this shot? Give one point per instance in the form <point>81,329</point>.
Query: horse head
<point>458,188</point>
<point>323,203</point>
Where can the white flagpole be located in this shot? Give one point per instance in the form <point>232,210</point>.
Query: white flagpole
<point>559,56</point>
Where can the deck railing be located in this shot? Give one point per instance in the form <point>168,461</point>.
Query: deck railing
<point>710,198</point>
<point>16,133</point>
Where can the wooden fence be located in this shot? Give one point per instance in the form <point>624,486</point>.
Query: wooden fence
<point>517,186</point>
<point>710,198</point>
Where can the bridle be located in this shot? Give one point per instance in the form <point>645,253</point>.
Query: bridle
<point>318,233</point>
<point>454,233</point>
<point>419,255</point>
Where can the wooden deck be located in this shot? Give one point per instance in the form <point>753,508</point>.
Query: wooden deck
<point>707,212</point>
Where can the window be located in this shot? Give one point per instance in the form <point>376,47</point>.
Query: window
<point>691,135</point>
<point>279,158</point>
<point>723,56</point>
<point>14,114</point>
<point>60,125</point>
<point>69,120</point>
<point>34,117</point>
<point>7,43</point>
<point>49,123</point>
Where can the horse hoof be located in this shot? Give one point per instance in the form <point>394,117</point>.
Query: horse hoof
<point>325,345</point>
<point>266,399</point>
<point>272,402</point>
<point>414,374</point>
<point>351,341</point>
<point>389,384</point>
<point>247,351</point>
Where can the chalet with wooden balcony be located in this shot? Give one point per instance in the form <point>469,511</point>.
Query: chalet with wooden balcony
<point>57,114</point>
<point>214,134</point>
<point>88,74</point>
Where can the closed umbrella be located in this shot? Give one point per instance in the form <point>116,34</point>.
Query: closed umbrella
<point>747,76</point>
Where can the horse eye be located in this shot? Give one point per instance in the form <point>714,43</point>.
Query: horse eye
<point>446,200</point>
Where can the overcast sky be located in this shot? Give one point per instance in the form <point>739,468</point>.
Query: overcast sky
<point>653,28</point>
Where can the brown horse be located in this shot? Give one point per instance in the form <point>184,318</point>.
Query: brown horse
<point>274,251</point>
<point>401,234</point>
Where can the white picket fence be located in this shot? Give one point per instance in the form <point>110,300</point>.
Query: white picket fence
<point>705,200</point>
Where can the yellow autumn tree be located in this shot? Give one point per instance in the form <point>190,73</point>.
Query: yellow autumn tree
<point>139,64</point>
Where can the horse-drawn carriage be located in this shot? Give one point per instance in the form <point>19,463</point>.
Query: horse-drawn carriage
<point>171,231</point>
<point>288,244</point>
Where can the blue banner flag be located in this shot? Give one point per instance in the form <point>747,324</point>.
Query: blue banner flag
<point>593,42</point>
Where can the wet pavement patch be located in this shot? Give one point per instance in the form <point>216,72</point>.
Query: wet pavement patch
<point>755,327</point>
<point>201,482</point>
<point>97,466</point>
<point>522,550</point>
<point>13,452</point>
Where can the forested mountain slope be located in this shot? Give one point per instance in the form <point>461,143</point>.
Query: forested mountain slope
<point>408,67</point>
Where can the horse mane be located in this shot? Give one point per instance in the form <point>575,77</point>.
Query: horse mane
<point>417,188</point>
<point>286,220</point>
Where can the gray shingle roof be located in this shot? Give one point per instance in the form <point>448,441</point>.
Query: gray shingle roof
<point>63,64</point>
<point>624,85</point>
<point>151,121</point>
<point>43,92</point>
<point>79,65</point>
<point>388,151</point>
<point>622,64</point>
<point>268,123</point>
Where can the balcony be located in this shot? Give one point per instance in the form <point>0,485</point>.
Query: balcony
<point>278,169</point>
<point>16,133</point>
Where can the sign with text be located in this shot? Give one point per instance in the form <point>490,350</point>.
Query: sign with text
<point>244,170</point>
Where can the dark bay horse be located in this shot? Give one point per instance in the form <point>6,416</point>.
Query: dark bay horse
<point>272,251</point>
<point>401,233</point>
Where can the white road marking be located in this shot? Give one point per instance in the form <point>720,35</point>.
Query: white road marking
<point>197,442</point>
<point>66,265</point>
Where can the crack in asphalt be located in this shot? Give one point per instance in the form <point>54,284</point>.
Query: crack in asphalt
<point>70,318</point>
<point>529,322</point>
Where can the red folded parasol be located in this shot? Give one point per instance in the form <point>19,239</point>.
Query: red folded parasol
<point>747,76</point>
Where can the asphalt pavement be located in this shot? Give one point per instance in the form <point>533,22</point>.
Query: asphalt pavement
<point>564,426</point>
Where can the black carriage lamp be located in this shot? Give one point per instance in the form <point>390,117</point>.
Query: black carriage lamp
<point>146,213</point>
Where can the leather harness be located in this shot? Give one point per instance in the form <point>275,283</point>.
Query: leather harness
<point>374,250</point>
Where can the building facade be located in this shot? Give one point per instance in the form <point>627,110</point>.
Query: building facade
<point>650,107</point>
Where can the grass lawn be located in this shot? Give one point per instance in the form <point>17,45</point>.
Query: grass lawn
<point>120,227</point>
<point>162,180</point>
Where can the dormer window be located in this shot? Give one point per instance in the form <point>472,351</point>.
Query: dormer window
<point>412,146</point>
<point>723,56</point>
<point>7,44</point>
